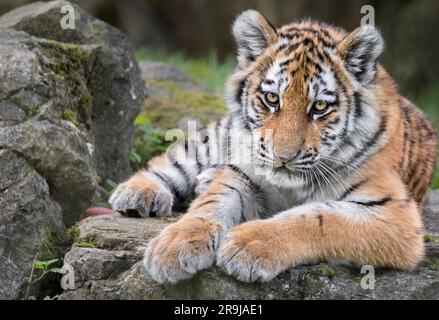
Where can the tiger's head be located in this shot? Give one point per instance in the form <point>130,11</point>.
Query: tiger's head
<point>302,90</point>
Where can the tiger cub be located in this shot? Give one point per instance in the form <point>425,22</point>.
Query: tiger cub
<point>340,163</point>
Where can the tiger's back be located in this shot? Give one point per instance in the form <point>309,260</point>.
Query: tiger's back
<point>418,156</point>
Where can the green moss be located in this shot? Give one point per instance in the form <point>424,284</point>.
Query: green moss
<point>67,63</point>
<point>323,270</point>
<point>57,244</point>
<point>173,104</point>
<point>84,245</point>
<point>69,115</point>
<point>431,239</point>
<point>72,233</point>
<point>434,265</point>
<point>96,30</point>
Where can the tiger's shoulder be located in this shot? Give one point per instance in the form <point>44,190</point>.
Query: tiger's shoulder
<point>412,141</point>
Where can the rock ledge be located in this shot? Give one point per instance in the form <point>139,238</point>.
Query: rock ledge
<point>108,265</point>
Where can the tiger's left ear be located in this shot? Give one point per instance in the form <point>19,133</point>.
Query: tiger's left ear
<point>253,34</point>
<point>360,50</point>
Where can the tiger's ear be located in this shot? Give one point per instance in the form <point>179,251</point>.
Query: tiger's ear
<point>360,51</point>
<point>253,34</point>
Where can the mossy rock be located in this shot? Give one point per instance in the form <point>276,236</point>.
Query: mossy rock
<point>69,66</point>
<point>431,239</point>
<point>168,103</point>
<point>323,270</point>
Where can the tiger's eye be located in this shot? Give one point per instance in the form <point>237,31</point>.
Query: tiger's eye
<point>320,106</point>
<point>272,98</point>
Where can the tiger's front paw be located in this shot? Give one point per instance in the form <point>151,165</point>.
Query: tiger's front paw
<point>251,252</point>
<point>142,195</point>
<point>182,249</point>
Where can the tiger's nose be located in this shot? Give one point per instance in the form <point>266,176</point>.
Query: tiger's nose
<point>285,157</point>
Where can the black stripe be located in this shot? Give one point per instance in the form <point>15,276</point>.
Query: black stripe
<point>241,200</point>
<point>204,203</point>
<point>179,167</point>
<point>229,141</point>
<point>372,141</point>
<point>320,217</point>
<point>348,118</point>
<point>357,105</point>
<point>373,203</point>
<point>334,122</point>
<point>268,82</point>
<point>242,174</point>
<point>244,107</point>
<point>352,189</point>
<point>170,185</point>
<point>240,90</point>
<point>318,34</point>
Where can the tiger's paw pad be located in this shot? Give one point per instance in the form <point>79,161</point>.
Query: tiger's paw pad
<point>182,249</point>
<point>139,195</point>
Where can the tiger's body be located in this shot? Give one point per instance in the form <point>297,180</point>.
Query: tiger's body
<point>341,176</point>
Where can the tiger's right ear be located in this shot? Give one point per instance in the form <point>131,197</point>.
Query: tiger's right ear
<point>253,34</point>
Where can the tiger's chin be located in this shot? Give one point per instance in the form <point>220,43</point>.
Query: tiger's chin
<point>285,178</point>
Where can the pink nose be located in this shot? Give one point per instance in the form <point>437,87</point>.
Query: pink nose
<point>285,157</point>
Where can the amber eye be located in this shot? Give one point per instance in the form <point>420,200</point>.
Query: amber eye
<point>272,99</point>
<point>319,107</point>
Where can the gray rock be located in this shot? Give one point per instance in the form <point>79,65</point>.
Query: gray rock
<point>98,264</point>
<point>27,213</point>
<point>46,120</point>
<point>68,99</point>
<point>115,236</point>
<point>110,74</point>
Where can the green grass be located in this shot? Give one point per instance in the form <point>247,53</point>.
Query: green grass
<point>209,71</point>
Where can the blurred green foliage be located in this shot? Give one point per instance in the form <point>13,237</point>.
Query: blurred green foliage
<point>428,101</point>
<point>149,142</point>
<point>210,72</point>
<point>104,193</point>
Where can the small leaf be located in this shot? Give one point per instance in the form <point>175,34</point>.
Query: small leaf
<point>104,204</point>
<point>141,121</point>
<point>42,265</point>
<point>50,262</point>
<point>56,270</point>
<point>111,184</point>
<point>104,191</point>
<point>135,157</point>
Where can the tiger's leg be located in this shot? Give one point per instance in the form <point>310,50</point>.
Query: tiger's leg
<point>170,179</point>
<point>190,244</point>
<point>366,228</point>
<point>154,191</point>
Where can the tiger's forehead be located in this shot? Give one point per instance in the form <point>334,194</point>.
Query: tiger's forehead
<point>320,33</point>
<point>303,54</point>
<point>302,71</point>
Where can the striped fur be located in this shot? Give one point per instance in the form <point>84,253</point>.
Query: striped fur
<point>302,185</point>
